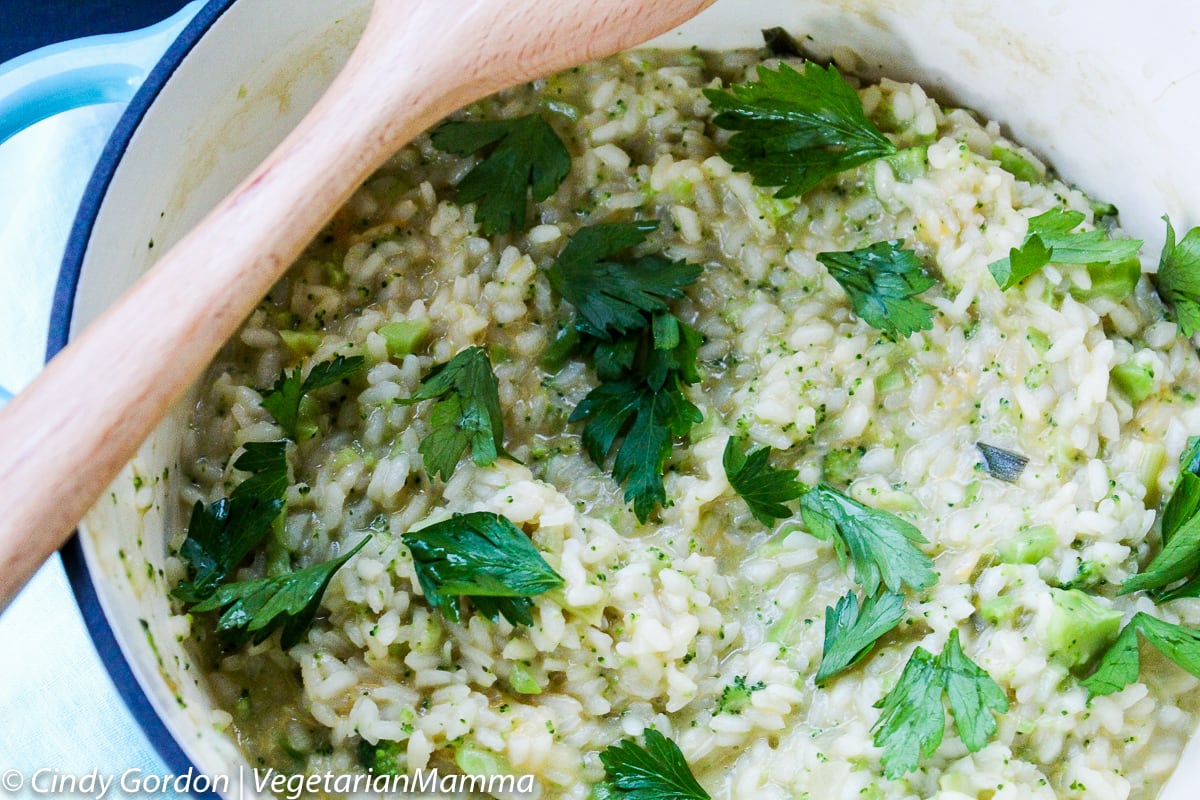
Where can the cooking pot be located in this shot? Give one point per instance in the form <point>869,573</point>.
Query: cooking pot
<point>1103,91</point>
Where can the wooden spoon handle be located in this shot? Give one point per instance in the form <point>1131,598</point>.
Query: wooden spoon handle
<point>65,438</point>
<point>67,435</point>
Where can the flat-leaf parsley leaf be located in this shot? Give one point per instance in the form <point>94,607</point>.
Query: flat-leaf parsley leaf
<point>220,535</point>
<point>467,413</point>
<point>1121,662</point>
<point>882,546</point>
<point>640,404</point>
<point>1179,558</point>
<point>765,489</point>
<point>254,609</point>
<point>1050,239</point>
<point>913,719</point>
<point>526,156</point>
<point>283,401</point>
<point>657,771</point>
<point>483,556</point>
<point>851,631</point>
<point>612,294</point>
<point>881,281</point>
<point>1178,277</point>
<point>795,129</point>
<point>642,353</point>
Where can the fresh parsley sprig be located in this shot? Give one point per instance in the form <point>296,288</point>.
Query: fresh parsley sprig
<point>646,421</point>
<point>1178,278</point>
<point>526,157</point>
<point>1179,559</point>
<point>851,631</point>
<point>795,129</point>
<point>882,547</point>
<point>765,488</point>
<point>882,281</point>
<point>913,718</point>
<point>255,609</point>
<point>639,408</point>
<point>613,295</point>
<point>1051,238</point>
<point>656,771</point>
<point>1121,663</point>
<point>642,353</point>
<point>283,400</point>
<point>467,413</point>
<point>222,534</point>
<point>482,556</point>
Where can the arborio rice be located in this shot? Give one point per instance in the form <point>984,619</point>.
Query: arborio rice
<point>661,624</point>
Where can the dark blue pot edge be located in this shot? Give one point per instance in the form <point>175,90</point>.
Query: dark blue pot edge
<point>60,325</point>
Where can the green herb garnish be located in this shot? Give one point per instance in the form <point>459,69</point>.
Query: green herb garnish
<point>913,719</point>
<point>483,556</point>
<point>657,771</point>
<point>254,609</point>
<point>642,353</point>
<point>283,401</point>
<point>1121,662</point>
<point>613,296</point>
<point>220,535</point>
<point>526,155</point>
<point>882,546</point>
<point>1178,278</point>
<point>765,489</point>
<point>640,404</point>
<point>1049,239</point>
<point>882,281</point>
<point>467,413</point>
<point>795,129</point>
<point>851,631</point>
<point>1179,559</point>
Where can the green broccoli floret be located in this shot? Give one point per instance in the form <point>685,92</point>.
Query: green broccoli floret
<point>382,758</point>
<point>840,467</point>
<point>736,696</point>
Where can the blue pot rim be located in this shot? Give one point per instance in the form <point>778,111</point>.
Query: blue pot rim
<point>82,585</point>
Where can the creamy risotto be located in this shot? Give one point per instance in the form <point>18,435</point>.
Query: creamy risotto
<point>1030,434</point>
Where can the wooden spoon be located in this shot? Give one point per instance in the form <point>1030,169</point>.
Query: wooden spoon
<point>65,438</point>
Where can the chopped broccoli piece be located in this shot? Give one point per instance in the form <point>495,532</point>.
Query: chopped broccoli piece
<point>522,680</point>
<point>475,760</point>
<point>1079,627</point>
<point>840,467</point>
<point>1136,381</point>
<point>405,336</point>
<point>1020,166</point>
<point>736,696</point>
<point>1114,281</point>
<point>300,342</point>
<point>999,610</point>
<point>383,758</point>
<point>1028,546</point>
<point>910,163</point>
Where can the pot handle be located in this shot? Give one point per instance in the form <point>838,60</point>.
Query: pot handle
<point>95,69</point>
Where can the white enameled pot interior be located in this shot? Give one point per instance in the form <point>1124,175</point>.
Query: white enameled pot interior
<point>1104,91</point>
